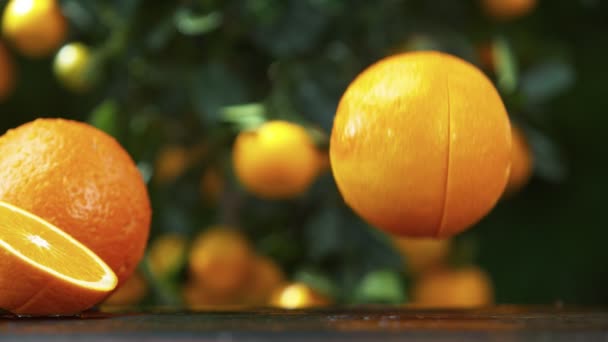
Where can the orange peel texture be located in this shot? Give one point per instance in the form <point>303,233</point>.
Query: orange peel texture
<point>421,145</point>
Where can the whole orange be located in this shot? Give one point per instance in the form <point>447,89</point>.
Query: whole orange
<point>72,67</point>
<point>277,160</point>
<point>522,162</point>
<point>172,162</point>
<point>453,288</point>
<point>81,180</point>
<point>221,259</point>
<point>507,9</point>
<point>35,27</point>
<point>7,75</point>
<point>166,255</point>
<point>421,145</point>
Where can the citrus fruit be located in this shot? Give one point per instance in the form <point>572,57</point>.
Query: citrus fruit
<point>72,67</point>
<point>297,296</point>
<point>197,297</point>
<point>35,27</point>
<point>130,292</point>
<point>422,254</point>
<point>221,260</point>
<point>171,163</point>
<point>453,288</point>
<point>44,271</point>
<point>81,180</point>
<point>277,160</point>
<point>421,145</point>
<point>167,254</point>
<point>265,278</point>
<point>211,184</point>
<point>7,75</point>
<point>522,162</point>
<point>507,9</point>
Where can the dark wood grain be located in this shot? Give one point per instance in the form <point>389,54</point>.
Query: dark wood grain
<point>505,323</point>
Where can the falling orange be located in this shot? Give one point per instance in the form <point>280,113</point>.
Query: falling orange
<point>421,145</point>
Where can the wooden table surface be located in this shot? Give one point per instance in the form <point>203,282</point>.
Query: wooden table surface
<point>503,323</point>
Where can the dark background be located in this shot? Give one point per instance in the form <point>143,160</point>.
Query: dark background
<point>180,63</point>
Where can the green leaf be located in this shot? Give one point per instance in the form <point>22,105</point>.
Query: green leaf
<point>381,286</point>
<point>160,35</point>
<point>317,281</point>
<point>506,66</point>
<point>547,80</point>
<point>420,42</point>
<point>146,171</point>
<point>105,117</point>
<point>245,116</point>
<point>192,24</point>
<point>549,163</point>
<point>78,13</point>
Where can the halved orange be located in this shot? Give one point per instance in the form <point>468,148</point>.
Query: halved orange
<point>44,271</point>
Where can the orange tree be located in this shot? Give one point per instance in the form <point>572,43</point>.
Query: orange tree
<point>191,76</point>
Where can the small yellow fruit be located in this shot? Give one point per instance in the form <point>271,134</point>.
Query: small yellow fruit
<point>35,27</point>
<point>298,296</point>
<point>278,160</point>
<point>171,163</point>
<point>72,67</point>
<point>166,254</point>
<point>422,254</point>
<point>221,260</point>
<point>453,288</point>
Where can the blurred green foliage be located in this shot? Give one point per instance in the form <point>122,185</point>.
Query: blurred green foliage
<point>194,73</point>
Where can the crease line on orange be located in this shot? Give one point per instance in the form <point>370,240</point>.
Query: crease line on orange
<point>447,163</point>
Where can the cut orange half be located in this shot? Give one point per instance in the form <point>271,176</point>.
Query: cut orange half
<point>44,271</point>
